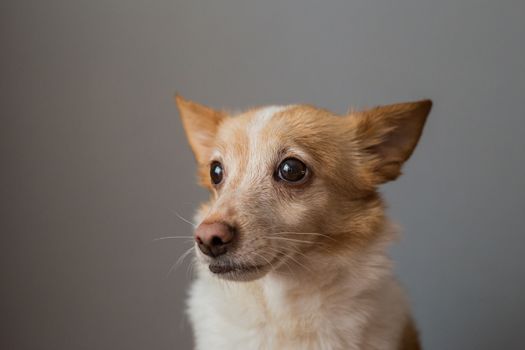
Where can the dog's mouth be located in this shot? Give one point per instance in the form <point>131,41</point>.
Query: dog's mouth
<point>224,268</point>
<point>242,271</point>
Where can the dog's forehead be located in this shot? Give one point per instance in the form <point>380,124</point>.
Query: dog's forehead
<point>260,117</point>
<point>262,121</point>
<point>269,124</point>
<point>252,129</point>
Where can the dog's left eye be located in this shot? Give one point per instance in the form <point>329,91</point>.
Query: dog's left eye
<point>216,173</point>
<point>291,170</point>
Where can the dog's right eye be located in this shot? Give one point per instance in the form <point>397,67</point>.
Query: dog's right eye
<point>292,170</point>
<point>216,173</point>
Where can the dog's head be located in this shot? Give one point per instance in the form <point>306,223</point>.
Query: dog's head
<point>291,183</point>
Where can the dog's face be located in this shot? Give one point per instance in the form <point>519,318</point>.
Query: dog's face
<point>289,184</point>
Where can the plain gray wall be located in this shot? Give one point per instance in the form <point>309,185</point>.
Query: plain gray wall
<point>94,162</point>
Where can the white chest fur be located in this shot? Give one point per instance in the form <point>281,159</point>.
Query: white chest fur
<point>339,311</point>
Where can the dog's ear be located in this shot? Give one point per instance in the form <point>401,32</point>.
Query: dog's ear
<point>388,135</point>
<point>201,124</point>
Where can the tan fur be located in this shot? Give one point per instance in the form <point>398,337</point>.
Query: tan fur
<point>323,279</point>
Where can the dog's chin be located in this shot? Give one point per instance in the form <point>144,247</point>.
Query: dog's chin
<point>241,272</point>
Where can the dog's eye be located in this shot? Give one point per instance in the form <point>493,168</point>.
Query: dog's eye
<point>291,170</point>
<point>216,173</point>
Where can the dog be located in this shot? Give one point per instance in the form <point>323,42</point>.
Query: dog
<point>291,247</point>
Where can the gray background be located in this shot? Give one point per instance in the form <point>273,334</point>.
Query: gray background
<point>94,163</point>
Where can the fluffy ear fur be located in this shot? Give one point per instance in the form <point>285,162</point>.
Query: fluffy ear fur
<point>388,135</point>
<point>201,124</point>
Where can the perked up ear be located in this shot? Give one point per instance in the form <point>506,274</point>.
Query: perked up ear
<point>388,136</point>
<point>201,124</point>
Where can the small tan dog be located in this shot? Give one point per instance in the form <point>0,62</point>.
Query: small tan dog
<point>292,244</point>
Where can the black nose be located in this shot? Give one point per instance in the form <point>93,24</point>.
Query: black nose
<point>214,239</point>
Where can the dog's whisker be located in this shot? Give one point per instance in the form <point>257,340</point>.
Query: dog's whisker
<point>289,254</point>
<point>179,260</point>
<point>297,251</point>
<point>303,233</point>
<point>279,252</point>
<point>298,233</point>
<point>262,256</point>
<point>291,240</point>
<point>253,264</point>
<point>172,237</point>
<point>299,263</point>
<point>189,270</point>
<point>184,219</point>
